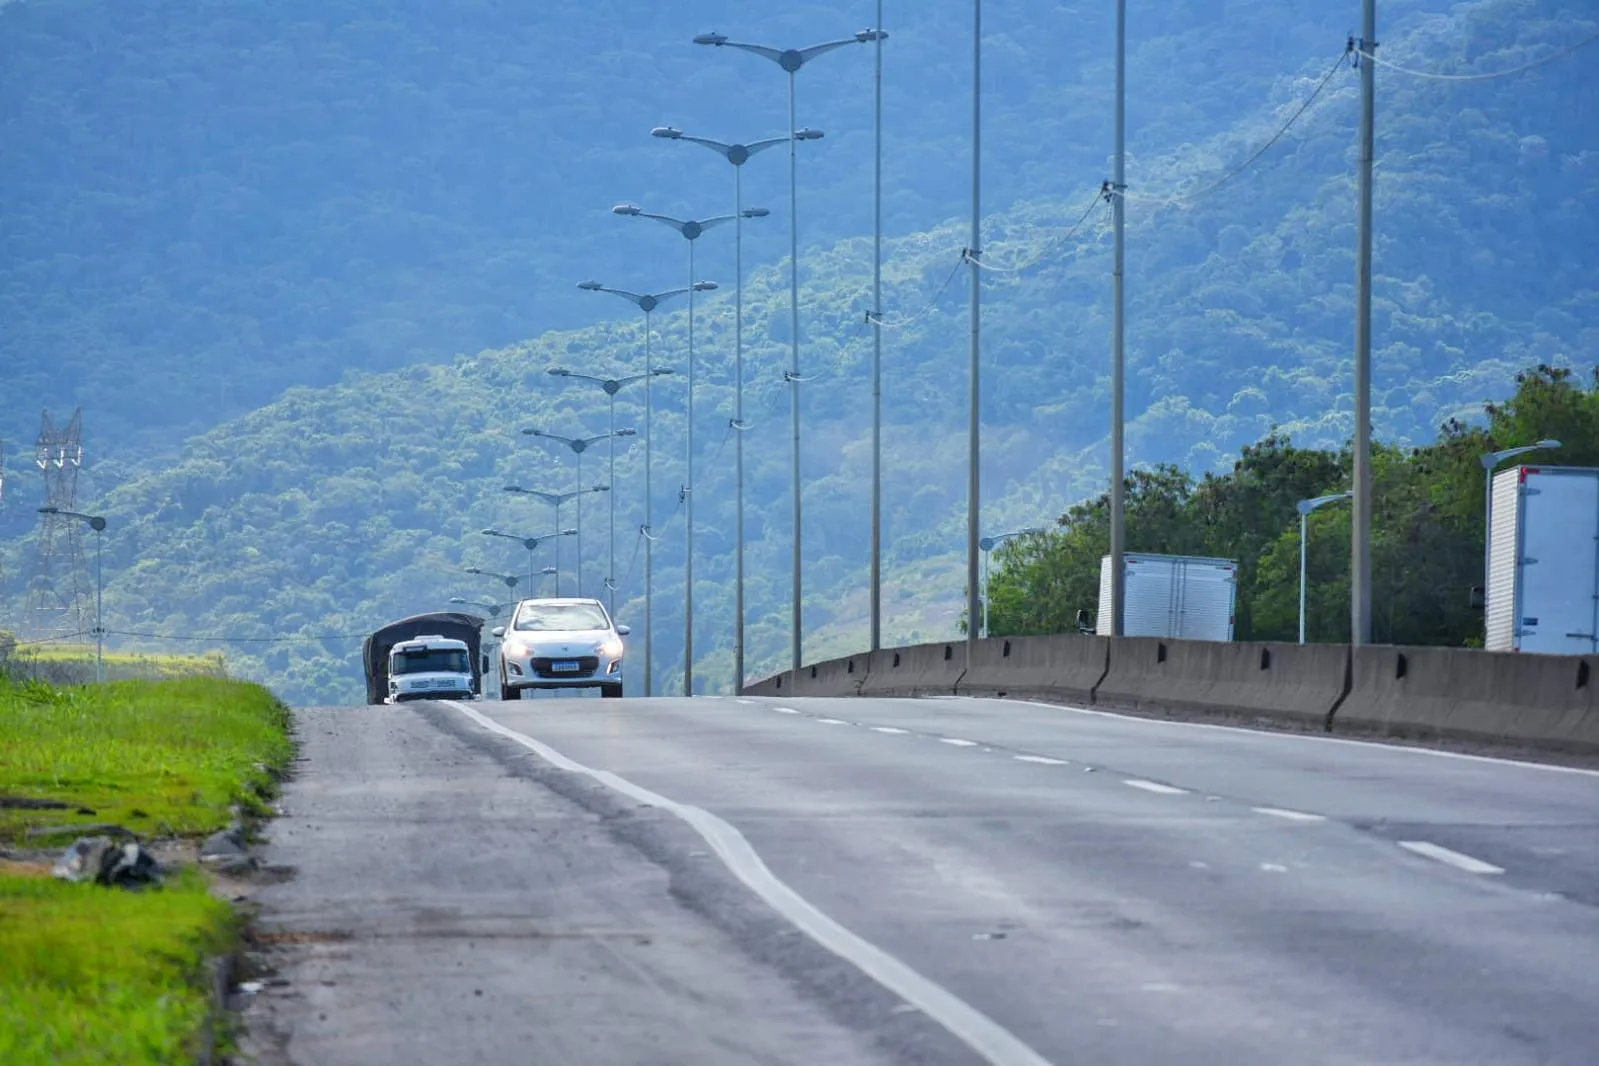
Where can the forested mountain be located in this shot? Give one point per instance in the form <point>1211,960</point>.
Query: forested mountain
<point>202,207</point>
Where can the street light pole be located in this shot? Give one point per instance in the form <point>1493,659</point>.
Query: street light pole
<point>646,302</point>
<point>555,500</point>
<point>877,344</point>
<point>791,60</point>
<point>1305,507</point>
<point>98,524</point>
<point>987,546</point>
<point>691,230</point>
<point>737,155</point>
<point>1489,462</point>
<point>579,445</point>
<point>612,385</point>
<point>532,543</point>
<point>1118,386</point>
<point>974,499</point>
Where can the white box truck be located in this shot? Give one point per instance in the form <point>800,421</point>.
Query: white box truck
<point>1189,597</point>
<point>1542,592</point>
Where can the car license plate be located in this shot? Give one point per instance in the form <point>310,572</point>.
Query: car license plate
<point>563,666</point>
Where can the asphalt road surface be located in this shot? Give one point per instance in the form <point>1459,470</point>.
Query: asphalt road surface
<point>919,882</point>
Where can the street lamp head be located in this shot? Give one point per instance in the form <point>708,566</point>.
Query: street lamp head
<point>512,488</point>
<point>550,569</point>
<point>591,286</point>
<point>756,212</point>
<point>627,433</point>
<point>1549,444</point>
<point>568,532</point>
<point>559,372</point>
<point>490,532</point>
<point>662,371</point>
<point>808,134</point>
<point>534,433</point>
<point>867,36</point>
<point>717,39</point>
<point>705,286</point>
<point>671,133</point>
<point>49,510</point>
<point>627,209</point>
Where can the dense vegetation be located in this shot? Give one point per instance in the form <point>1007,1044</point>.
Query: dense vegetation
<point>1427,528</point>
<point>344,196</point>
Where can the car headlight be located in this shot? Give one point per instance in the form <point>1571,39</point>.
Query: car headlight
<point>611,649</point>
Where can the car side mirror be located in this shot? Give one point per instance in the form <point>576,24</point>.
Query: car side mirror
<point>498,631</point>
<point>623,631</point>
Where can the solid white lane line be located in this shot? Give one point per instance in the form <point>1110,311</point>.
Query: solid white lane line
<point>1155,786</point>
<point>958,742</point>
<point>1292,816</point>
<point>991,1041</point>
<point>1453,858</point>
<point>832,721</point>
<point>785,710</point>
<point>1042,760</point>
<point>889,730</point>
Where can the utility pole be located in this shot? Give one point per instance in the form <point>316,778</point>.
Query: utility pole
<point>1118,387</point>
<point>974,419</point>
<point>877,353</point>
<point>1360,536</point>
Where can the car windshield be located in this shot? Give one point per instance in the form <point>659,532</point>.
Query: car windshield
<point>442,661</point>
<point>550,617</point>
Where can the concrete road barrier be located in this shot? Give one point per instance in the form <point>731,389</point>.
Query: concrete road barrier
<point>1505,697</point>
<point>1064,667</point>
<point>1300,683</point>
<point>835,677</point>
<point>920,670</point>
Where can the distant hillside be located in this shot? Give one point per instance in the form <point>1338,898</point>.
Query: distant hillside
<point>327,510</point>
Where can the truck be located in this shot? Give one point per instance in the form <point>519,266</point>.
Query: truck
<point>1542,589</point>
<point>1188,597</point>
<point>455,637</point>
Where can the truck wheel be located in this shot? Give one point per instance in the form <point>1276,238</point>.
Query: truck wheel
<point>611,692</point>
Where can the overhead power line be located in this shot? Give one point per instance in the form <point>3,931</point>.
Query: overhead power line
<point>1189,197</point>
<point>1435,76</point>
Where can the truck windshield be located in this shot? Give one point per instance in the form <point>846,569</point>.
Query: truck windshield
<point>560,617</point>
<point>440,661</point>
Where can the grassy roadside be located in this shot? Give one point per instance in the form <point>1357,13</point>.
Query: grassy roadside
<point>94,975</point>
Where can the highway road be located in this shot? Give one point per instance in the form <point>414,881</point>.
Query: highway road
<point>917,882</point>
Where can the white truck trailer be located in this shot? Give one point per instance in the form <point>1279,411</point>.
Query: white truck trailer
<point>1187,597</point>
<point>1542,590</point>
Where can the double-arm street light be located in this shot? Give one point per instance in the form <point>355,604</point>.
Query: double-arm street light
<point>96,523</point>
<point>1305,507</point>
<point>530,543</point>
<point>648,302</point>
<point>1489,462</point>
<point>691,230</point>
<point>579,445</point>
<point>556,500</point>
<point>612,385</point>
<point>738,155</point>
<point>988,544</point>
<point>791,60</point>
<point>510,581</point>
<point>492,608</point>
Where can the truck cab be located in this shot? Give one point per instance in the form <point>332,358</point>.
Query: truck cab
<point>430,667</point>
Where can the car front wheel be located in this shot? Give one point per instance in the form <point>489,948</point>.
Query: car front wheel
<point>611,692</point>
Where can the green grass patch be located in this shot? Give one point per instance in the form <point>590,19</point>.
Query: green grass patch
<point>74,664</point>
<point>160,758</point>
<point>93,975</point>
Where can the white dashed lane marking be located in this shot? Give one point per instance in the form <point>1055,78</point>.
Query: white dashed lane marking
<point>890,730</point>
<point>958,742</point>
<point>1155,786</point>
<point>832,721</point>
<point>1453,858</point>
<point>785,710</point>
<point>1042,760</point>
<point>1292,816</point>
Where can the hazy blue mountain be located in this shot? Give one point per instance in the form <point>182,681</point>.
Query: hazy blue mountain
<point>202,209</point>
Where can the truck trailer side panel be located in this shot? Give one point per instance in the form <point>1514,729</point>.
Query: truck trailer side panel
<point>1543,567</point>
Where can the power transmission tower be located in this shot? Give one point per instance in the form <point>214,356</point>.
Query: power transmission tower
<point>58,588</point>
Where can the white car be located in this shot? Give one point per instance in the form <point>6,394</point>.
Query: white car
<point>560,643</point>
